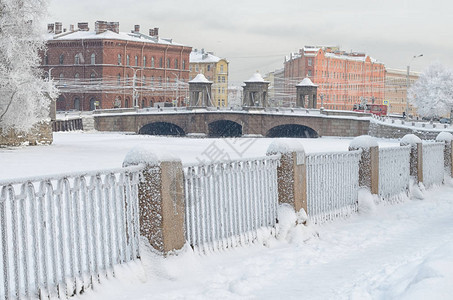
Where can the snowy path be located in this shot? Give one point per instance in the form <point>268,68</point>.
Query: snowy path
<point>402,251</point>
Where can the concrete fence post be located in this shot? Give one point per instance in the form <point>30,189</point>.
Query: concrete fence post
<point>161,200</point>
<point>416,156</point>
<point>292,183</point>
<point>369,162</point>
<point>447,138</point>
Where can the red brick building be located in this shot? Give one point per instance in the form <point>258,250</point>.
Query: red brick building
<point>106,68</point>
<point>343,79</point>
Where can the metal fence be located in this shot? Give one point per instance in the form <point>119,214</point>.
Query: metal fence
<point>227,202</point>
<point>394,172</point>
<point>433,163</point>
<point>332,184</point>
<point>61,234</point>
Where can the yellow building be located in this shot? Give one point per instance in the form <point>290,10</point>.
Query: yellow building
<point>396,90</point>
<point>214,69</point>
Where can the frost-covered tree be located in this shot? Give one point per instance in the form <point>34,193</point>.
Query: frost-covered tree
<point>24,95</point>
<point>432,93</point>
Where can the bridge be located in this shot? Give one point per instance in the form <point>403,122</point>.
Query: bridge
<point>269,122</point>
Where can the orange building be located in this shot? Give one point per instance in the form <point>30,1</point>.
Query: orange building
<point>343,78</point>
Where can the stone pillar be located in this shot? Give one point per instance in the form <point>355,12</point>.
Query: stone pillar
<point>292,184</point>
<point>306,88</point>
<point>416,156</point>
<point>369,162</point>
<point>256,92</point>
<point>200,92</point>
<point>161,200</point>
<point>447,138</point>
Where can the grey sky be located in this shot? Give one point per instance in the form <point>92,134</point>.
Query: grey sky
<point>256,35</point>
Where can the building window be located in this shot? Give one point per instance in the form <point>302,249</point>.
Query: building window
<point>77,103</point>
<point>196,68</point>
<point>152,80</point>
<point>309,73</point>
<point>144,80</point>
<point>208,67</point>
<point>168,63</point>
<point>144,61</point>
<point>161,62</point>
<point>93,59</point>
<point>61,59</point>
<point>176,63</point>
<point>46,59</point>
<point>310,62</point>
<point>223,79</point>
<point>221,68</point>
<point>61,77</point>
<point>118,78</point>
<point>76,76</point>
<point>127,60</point>
<point>136,60</point>
<point>92,76</point>
<point>183,64</point>
<point>218,78</point>
<point>152,62</point>
<point>119,59</point>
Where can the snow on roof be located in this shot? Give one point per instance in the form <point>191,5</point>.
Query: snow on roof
<point>256,78</point>
<point>87,35</point>
<point>202,57</point>
<point>200,78</point>
<point>306,82</point>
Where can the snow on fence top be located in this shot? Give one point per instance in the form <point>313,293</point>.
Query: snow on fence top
<point>143,154</point>
<point>363,141</point>
<point>444,137</point>
<point>410,139</point>
<point>285,147</point>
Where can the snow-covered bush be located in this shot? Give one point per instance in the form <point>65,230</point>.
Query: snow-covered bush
<point>24,95</point>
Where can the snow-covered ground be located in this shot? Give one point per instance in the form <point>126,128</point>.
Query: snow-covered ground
<point>402,251</point>
<point>78,151</point>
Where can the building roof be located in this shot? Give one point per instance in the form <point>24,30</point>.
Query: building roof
<point>256,78</point>
<point>306,82</point>
<point>200,78</point>
<point>200,56</point>
<point>132,36</point>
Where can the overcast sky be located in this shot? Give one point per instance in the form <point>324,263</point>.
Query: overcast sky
<point>255,35</point>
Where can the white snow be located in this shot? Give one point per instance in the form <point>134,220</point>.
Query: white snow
<point>279,146</point>
<point>402,251</point>
<point>363,141</point>
<point>444,137</point>
<point>200,78</point>
<point>306,82</point>
<point>256,78</point>
<point>143,154</point>
<point>410,139</point>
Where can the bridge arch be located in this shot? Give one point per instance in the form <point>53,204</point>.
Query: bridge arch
<point>162,128</point>
<point>224,128</point>
<point>292,130</point>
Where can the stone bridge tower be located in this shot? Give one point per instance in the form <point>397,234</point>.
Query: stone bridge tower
<point>200,92</point>
<point>256,92</point>
<point>306,89</point>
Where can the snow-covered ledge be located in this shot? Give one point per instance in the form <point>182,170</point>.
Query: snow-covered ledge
<point>161,198</point>
<point>416,162</point>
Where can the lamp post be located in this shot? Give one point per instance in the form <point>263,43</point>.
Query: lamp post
<point>408,83</point>
<point>134,90</point>
<point>177,87</point>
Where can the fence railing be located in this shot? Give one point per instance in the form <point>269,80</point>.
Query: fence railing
<point>332,184</point>
<point>67,125</point>
<point>394,172</point>
<point>227,202</point>
<point>433,163</point>
<point>60,235</point>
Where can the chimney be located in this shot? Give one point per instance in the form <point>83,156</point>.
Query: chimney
<point>83,26</point>
<point>50,28</point>
<point>71,27</point>
<point>100,26</point>
<point>113,26</point>
<point>58,27</point>
<point>154,32</point>
<point>137,28</point>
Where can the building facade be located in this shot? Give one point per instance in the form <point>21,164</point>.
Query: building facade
<point>214,69</point>
<point>105,68</point>
<point>396,90</point>
<point>343,79</point>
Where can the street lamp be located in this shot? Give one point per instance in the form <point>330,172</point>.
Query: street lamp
<point>408,83</point>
